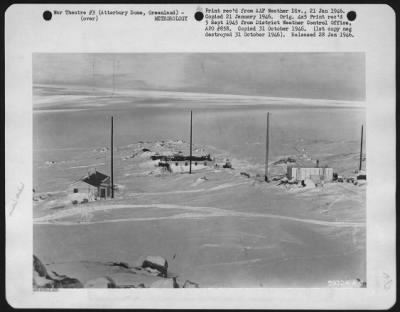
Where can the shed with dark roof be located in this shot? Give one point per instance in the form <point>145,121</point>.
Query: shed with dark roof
<point>99,184</point>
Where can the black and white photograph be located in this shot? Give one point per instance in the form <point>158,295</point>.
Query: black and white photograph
<point>199,170</point>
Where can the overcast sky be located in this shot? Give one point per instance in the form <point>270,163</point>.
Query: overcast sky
<point>336,76</point>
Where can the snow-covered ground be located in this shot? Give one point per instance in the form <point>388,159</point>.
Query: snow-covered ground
<point>216,227</point>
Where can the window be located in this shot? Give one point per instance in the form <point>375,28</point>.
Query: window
<point>176,164</point>
<point>205,163</point>
<point>195,163</point>
<point>186,163</point>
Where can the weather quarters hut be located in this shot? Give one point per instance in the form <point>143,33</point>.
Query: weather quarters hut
<point>299,173</point>
<point>98,185</point>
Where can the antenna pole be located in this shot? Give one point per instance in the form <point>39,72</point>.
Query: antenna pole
<point>267,150</point>
<point>113,81</point>
<point>112,156</point>
<point>190,160</point>
<point>361,148</point>
<point>93,74</point>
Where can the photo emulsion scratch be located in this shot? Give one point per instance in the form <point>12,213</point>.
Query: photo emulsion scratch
<point>199,170</point>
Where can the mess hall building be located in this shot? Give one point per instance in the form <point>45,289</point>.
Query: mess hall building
<point>181,163</point>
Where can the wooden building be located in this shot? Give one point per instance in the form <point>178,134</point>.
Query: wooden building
<point>300,173</point>
<point>96,184</point>
<point>180,163</point>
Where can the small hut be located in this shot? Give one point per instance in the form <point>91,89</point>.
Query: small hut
<point>97,185</point>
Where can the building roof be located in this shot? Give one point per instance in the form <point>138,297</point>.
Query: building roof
<point>95,179</point>
<point>308,166</point>
<point>306,163</point>
<point>181,158</point>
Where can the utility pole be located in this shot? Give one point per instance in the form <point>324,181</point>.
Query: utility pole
<point>112,156</point>
<point>361,148</point>
<point>113,81</point>
<point>190,160</point>
<point>93,73</point>
<point>267,150</point>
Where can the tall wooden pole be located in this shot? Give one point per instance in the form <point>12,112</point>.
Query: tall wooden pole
<point>361,148</point>
<point>93,75</point>
<point>112,156</point>
<point>267,150</point>
<point>113,81</point>
<point>190,160</point>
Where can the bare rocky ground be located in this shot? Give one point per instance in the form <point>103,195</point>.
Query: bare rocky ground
<point>149,272</point>
<point>218,227</point>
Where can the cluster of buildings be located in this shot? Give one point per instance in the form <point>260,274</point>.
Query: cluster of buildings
<point>100,185</point>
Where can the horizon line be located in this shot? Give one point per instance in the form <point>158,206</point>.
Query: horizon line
<point>125,92</point>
